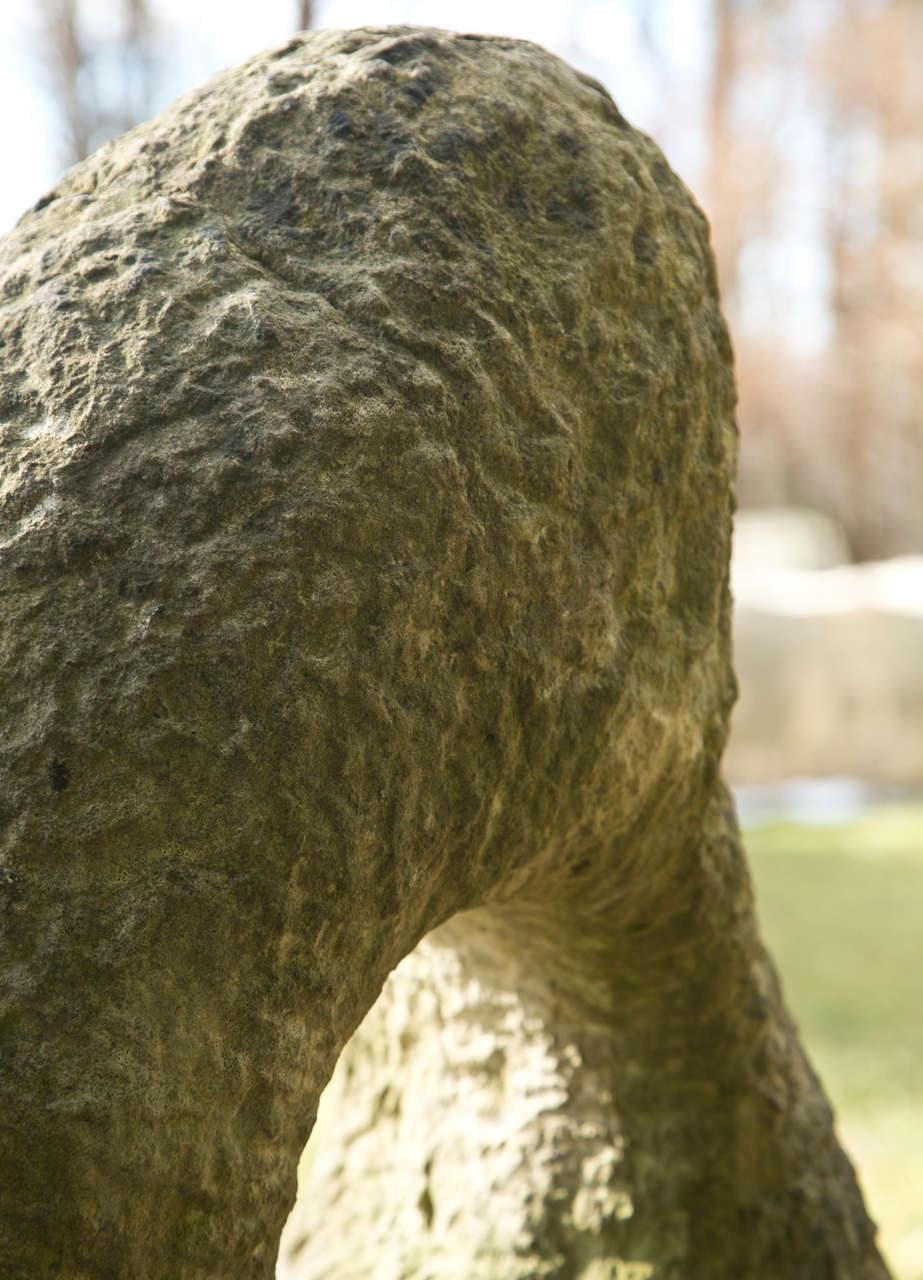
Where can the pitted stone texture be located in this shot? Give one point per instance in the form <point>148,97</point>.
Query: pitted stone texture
<point>367,458</point>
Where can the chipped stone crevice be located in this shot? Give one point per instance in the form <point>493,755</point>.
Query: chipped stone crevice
<point>367,464</point>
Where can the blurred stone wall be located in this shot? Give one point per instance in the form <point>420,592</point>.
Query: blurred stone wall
<point>829,656</point>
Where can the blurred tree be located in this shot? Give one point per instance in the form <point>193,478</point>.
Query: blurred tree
<point>305,15</point>
<point>837,424</point>
<point>725,234</point>
<point>103,80</point>
<point>65,57</point>
<point>743,108</point>
<point>869,67</point>
<point>136,50</point>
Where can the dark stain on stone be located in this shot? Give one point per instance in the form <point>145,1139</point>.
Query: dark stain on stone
<point>276,207</point>
<point>426,1207</point>
<point>340,124</point>
<point>59,775</point>
<point>575,209</point>
<point>420,89</point>
<point>569,142</point>
<point>643,246</point>
<point>136,586</point>
<point>263,332</point>
<point>392,138</point>
<point>453,143</point>
<point>403,50</point>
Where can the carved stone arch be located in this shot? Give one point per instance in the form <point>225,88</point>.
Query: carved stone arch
<point>368,451</point>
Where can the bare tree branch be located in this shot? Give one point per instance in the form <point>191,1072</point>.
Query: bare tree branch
<point>65,57</point>
<point>137,58</point>
<point>101,84</point>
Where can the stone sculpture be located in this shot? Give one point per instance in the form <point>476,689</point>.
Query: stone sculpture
<point>368,447</point>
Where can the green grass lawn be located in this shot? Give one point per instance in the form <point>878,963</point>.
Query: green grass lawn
<point>842,912</point>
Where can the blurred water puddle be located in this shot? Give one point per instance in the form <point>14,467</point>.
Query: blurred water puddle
<point>812,801</point>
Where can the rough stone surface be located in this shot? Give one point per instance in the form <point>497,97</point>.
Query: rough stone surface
<point>367,462</point>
